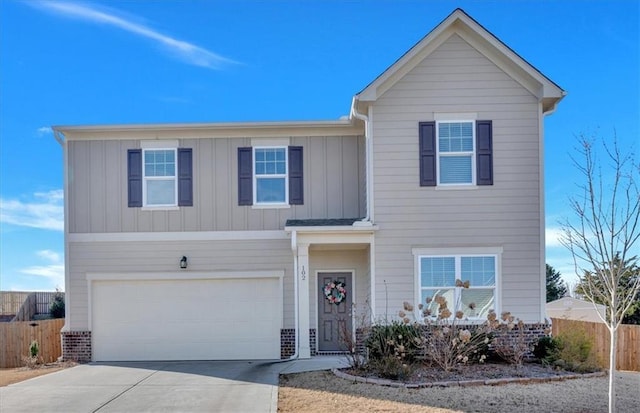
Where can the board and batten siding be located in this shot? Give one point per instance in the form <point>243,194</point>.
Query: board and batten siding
<point>457,78</point>
<point>134,257</point>
<point>334,178</point>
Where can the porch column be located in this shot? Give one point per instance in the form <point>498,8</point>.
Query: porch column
<point>303,301</point>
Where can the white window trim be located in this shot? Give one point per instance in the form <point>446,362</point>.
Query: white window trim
<point>145,205</point>
<point>259,205</point>
<point>458,253</point>
<point>445,154</point>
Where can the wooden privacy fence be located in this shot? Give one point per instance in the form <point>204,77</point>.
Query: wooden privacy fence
<point>10,301</point>
<point>627,352</point>
<point>16,337</point>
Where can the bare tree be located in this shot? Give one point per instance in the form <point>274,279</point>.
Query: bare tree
<point>606,224</point>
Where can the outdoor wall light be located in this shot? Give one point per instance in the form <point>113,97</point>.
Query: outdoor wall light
<point>183,262</point>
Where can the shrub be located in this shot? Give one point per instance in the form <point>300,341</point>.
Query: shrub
<point>56,309</point>
<point>448,344</point>
<point>510,347</point>
<point>575,351</point>
<point>354,354</point>
<point>391,367</point>
<point>397,340</point>
<point>34,348</point>
<point>32,360</point>
<point>449,340</point>
<point>545,349</point>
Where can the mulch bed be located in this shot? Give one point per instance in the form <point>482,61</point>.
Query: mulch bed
<point>468,375</point>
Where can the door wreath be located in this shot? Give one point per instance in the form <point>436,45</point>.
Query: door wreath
<point>335,292</point>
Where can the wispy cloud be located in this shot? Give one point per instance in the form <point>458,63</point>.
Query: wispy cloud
<point>45,130</point>
<point>49,255</point>
<point>185,51</point>
<point>54,270</point>
<point>45,210</point>
<point>552,236</point>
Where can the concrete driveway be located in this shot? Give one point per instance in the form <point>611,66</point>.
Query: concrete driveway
<point>203,386</point>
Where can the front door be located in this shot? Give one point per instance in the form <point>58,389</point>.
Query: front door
<point>334,310</point>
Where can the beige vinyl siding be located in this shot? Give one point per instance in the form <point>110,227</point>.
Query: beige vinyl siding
<point>356,260</point>
<point>334,179</point>
<point>133,257</point>
<point>456,78</point>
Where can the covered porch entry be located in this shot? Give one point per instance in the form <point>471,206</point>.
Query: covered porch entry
<point>333,259</point>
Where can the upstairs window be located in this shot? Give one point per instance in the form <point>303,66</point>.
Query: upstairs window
<point>270,175</point>
<point>160,183</point>
<point>455,153</point>
<point>159,177</point>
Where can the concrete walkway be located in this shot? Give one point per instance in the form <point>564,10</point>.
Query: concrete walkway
<point>194,386</point>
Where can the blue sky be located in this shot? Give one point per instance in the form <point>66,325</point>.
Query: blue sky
<point>72,63</point>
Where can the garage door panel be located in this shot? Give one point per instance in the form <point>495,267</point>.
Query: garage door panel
<point>210,319</point>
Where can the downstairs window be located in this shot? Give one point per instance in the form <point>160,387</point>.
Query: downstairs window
<point>449,275</point>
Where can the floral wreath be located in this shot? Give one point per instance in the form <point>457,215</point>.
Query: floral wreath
<point>335,292</point>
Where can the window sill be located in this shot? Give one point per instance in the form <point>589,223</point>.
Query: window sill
<point>270,206</point>
<point>442,187</point>
<point>457,321</point>
<point>160,208</point>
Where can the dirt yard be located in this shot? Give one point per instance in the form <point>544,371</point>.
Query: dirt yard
<point>18,374</point>
<point>323,391</point>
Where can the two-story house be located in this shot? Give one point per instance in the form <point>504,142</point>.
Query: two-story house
<point>268,240</point>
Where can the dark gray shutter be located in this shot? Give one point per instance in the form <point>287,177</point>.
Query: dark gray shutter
<point>134,177</point>
<point>185,177</point>
<point>484,152</point>
<point>296,181</point>
<point>427,134</point>
<point>245,176</point>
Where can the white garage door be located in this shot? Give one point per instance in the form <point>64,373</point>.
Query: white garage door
<point>203,319</point>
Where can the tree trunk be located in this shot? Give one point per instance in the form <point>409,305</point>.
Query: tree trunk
<point>612,368</point>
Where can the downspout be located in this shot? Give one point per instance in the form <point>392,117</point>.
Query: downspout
<point>367,158</point>
<point>366,221</point>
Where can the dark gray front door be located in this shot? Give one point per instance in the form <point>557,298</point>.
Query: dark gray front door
<point>334,320</point>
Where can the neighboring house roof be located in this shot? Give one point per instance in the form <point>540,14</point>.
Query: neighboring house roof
<point>481,39</point>
<point>574,309</point>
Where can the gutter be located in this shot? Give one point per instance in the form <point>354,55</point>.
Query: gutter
<point>551,110</point>
<point>59,136</point>
<point>367,159</point>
